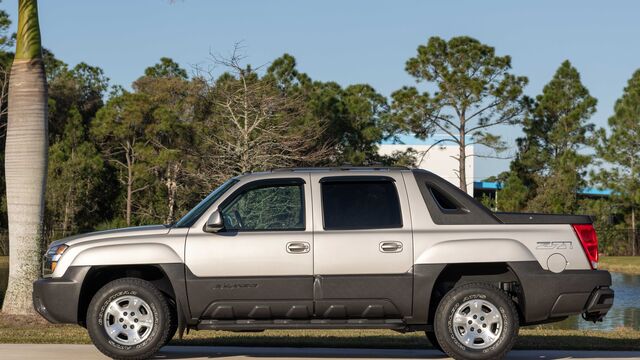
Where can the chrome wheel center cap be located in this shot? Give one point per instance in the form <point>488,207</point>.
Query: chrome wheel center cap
<point>128,320</point>
<point>477,324</point>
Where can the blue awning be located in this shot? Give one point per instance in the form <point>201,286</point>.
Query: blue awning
<point>495,185</point>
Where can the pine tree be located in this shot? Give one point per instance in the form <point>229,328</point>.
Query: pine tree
<point>475,91</point>
<point>620,149</point>
<point>556,136</point>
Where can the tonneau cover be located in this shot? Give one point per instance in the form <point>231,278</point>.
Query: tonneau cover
<point>524,218</point>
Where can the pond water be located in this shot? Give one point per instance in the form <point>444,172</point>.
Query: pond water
<point>625,311</point>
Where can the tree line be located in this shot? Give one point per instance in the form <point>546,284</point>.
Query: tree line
<point>129,157</point>
<point>122,157</point>
<point>562,153</point>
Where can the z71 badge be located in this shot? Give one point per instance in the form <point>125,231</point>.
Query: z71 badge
<point>554,245</point>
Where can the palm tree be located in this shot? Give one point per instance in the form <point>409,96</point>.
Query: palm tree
<point>25,160</point>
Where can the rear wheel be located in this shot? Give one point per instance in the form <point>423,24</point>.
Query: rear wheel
<point>476,321</point>
<point>129,319</point>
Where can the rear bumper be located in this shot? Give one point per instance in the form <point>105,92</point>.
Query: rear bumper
<point>56,299</point>
<point>548,296</point>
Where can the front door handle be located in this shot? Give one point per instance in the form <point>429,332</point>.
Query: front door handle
<point>298,247</point>
<point>391,246</point>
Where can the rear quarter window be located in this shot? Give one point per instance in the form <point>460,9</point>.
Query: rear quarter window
<point>448,205</point>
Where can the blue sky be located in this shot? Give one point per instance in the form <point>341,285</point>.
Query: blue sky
<point>351,41</point>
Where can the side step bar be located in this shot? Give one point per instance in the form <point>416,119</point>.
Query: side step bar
<point>396,324</point>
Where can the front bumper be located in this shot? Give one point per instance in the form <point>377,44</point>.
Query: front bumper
<point>548,296</point>
<point>57,299</point>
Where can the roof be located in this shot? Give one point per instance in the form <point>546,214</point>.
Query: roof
<point>342,168</point>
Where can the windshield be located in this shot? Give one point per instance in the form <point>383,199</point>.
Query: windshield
<point>197,211</point>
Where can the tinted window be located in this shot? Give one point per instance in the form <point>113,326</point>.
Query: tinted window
<point>445,202</point>
<point>360,205</point>
<point>449,205</point>
<point>274,207</point>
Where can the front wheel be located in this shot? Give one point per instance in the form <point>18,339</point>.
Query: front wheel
<point>174,322</point>
<point>129,319</point>
<point>476,322</point>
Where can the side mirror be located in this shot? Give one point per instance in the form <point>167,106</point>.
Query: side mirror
<point>215,222</point>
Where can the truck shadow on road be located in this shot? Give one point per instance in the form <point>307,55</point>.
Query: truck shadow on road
<point>211,352</point>
<point>206,352</point>
<point>339,346</point>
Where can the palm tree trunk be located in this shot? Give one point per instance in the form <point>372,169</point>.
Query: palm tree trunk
<point>25,161</point>
<point>26,169</point>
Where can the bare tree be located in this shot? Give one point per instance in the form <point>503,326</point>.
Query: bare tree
<point>253,126</point>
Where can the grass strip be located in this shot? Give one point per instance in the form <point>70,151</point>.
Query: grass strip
<point>21,330</point>
<point>621,264</point>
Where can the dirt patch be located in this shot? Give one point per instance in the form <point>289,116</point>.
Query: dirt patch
<point>24,321</point>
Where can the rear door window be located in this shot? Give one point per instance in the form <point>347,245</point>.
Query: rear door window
<point>360,204</point>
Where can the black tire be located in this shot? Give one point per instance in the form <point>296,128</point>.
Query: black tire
<point>431,336</point>
<point>159,308</point>
<point>446,331</point>
<point>174,322</point>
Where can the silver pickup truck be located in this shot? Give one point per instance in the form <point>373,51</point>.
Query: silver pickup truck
<point>329,248</point>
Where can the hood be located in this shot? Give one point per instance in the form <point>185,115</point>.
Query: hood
<point>134,231</point>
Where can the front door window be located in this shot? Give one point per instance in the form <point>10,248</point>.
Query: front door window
<point>266,208</point>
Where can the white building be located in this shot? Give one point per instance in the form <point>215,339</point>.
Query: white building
<point>440,159</point>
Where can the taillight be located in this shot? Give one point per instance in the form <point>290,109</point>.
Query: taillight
<point>589,240</point>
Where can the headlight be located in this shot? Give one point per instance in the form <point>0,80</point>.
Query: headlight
<point>52,257</point>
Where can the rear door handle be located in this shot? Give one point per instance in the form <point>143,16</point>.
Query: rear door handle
<point>300,247</point>
<point>391,246</point>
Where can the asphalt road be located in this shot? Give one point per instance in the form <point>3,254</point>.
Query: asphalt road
<point>88,352</point>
